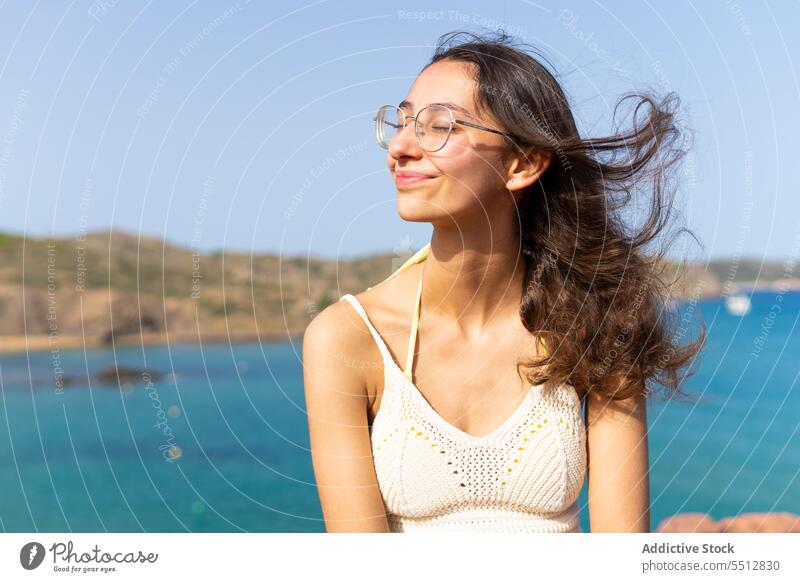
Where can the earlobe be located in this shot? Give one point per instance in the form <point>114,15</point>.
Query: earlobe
<point>512,184</point>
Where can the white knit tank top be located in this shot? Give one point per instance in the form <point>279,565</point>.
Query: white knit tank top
<point>525,476</point>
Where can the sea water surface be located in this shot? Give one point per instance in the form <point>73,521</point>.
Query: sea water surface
<point>99,458</point>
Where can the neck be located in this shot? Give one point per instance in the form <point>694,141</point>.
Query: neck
<point>472,281</point>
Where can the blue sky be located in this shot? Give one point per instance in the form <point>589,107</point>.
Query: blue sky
<point>248,126</point>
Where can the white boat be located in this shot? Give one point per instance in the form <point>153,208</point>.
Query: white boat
<point>737,304</point>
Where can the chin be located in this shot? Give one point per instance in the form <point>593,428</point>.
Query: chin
<point>414,210</point>
<point>412,216</point>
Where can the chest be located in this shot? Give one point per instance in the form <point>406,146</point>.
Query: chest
<point>472,384</point>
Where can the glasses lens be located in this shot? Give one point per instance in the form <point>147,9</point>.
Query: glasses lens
<point>387,123</point>
<point>433,127</point>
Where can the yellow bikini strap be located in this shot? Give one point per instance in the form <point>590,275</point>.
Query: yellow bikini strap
<point>412,339</point>
<point>417,257</point>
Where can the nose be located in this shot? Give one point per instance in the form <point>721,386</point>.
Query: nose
<point>404,143</point>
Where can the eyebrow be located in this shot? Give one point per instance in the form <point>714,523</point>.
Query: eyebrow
<point>458,108</point>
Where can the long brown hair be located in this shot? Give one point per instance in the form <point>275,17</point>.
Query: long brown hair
<point>597,299</point>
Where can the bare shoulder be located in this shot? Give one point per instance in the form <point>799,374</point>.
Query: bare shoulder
<point>330,344</point>
<point>335,388</point>
<point>332,324</point>
<point>338,345</point>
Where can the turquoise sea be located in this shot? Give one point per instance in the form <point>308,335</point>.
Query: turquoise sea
<point>93,459</point>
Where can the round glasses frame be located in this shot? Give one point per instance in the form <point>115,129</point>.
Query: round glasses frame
<point>381,122</point>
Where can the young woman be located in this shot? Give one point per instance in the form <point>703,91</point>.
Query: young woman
<point>449,396</point>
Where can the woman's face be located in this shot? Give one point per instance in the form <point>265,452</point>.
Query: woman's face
<point>468,173</point>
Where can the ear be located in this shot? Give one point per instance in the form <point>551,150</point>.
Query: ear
<point>526,167</point>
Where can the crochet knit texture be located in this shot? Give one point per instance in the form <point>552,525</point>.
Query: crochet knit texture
<point>523,477</point>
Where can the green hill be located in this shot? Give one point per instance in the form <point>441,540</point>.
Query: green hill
<point>122,284</point>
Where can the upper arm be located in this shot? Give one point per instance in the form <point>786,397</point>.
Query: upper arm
<point>336,404</point>
<point>618,466</point>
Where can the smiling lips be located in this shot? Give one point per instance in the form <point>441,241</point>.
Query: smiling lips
<point>411,178</point>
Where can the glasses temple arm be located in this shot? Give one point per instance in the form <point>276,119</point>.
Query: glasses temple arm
<point>485,128</point>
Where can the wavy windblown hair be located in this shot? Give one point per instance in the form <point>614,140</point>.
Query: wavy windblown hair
<point>599,302</point>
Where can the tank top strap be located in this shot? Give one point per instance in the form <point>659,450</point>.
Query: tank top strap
<point>417,257</point>
<point>387,357</point>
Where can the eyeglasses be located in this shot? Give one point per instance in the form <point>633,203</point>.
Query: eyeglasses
<point>432,126</point>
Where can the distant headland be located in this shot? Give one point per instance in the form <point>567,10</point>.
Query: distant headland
<point>117,287</point>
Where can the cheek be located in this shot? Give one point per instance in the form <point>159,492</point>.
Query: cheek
<point>469,176</point>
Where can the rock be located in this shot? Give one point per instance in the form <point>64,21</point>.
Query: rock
<point>762,523</point>
<point>121,374</point>
<point>689,522</point>
<point>67,380</point>
<point>778,522</point>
